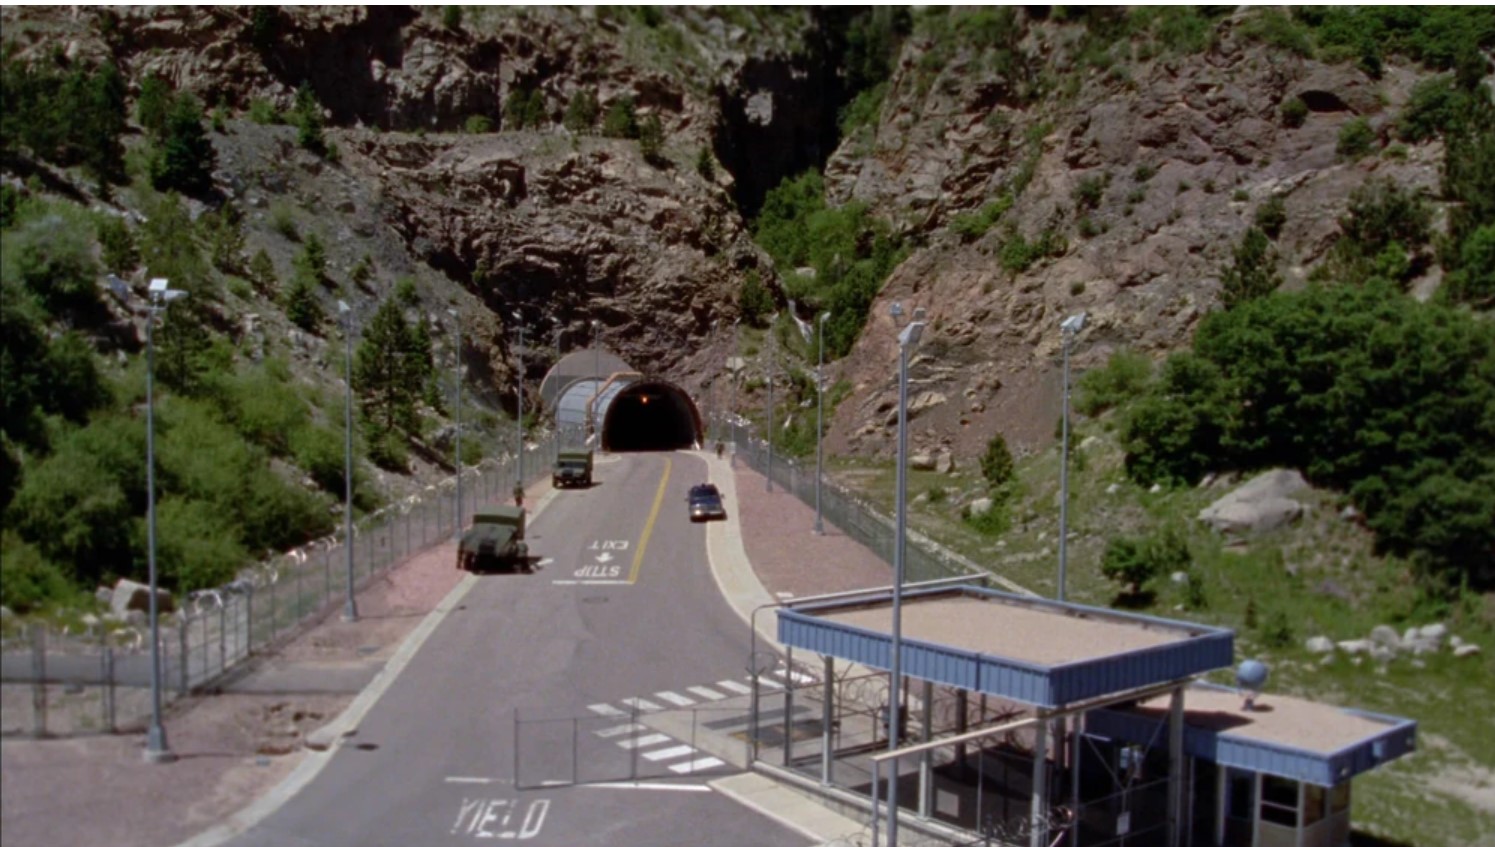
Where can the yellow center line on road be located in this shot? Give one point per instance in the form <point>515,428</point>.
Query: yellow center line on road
<point>643,541</point>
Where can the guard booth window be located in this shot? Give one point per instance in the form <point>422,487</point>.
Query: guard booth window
<point>1279,801</point>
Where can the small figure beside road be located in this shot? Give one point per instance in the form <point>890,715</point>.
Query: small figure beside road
<point>519,494</point>
<point>720,448</point>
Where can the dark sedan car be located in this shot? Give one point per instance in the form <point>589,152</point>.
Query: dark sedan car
<point>705,503</point>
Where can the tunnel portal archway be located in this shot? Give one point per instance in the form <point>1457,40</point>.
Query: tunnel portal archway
<point>651,415</point>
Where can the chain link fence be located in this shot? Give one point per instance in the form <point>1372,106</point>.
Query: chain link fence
<point>98,680</point>
<point>923,559</point>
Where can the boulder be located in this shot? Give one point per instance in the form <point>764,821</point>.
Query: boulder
<point>131,596</point>
<point>1319,644</point>
<point>921,462</point>
<point>1261,505</point>
<point>1386,637</point>
<point>980,506</point>
<point>1465,650</point>
<point>944,463</point>
<point>1355,646</point>
<point>1434,631</point>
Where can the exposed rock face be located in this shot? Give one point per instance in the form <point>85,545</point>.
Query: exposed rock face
<point>130,596</point>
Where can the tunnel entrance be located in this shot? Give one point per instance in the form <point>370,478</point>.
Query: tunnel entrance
<point>651,415</point>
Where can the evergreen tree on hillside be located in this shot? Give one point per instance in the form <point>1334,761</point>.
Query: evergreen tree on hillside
<point>185,160</point>
<point>389,373</point>
<point>153,106</point>
<point>307,116</point>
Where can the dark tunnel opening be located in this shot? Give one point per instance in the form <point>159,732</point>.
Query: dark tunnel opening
<point>650,416</point>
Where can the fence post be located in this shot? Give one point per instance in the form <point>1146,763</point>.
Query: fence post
<point>108,674</point>
<point>182,660</point>
<point>249,619</point>
<point>222,635</point>
<point>39,681</point>
<point>274,618</point>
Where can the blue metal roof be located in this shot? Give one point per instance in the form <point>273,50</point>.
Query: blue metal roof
<point>1277,758</point>
<point>1196,649</point>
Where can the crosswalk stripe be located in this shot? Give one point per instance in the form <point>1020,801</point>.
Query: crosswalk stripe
<point>770,682</point>
<point>669,753</point>
<point>701,764</point>
<point>672,697</point>
<point>642,705</point>
<point>621,729</point>
<point>734,686</point>
<point>607,710</point>
<point>646,741</point>
<point>708,693</point>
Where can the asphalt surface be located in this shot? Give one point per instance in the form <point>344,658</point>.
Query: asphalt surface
<point>527,712</point>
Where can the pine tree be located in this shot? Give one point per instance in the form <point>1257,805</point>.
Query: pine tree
<point>311,262</point>
<point>153,106</point>
<point>186,159</point>
<point>307,116</point>
<point>388,373</point>
<point>301,305</point>
<point>651,141</point>
<point>581,112</point>
<point>262,274</point>
<point>621,120</point>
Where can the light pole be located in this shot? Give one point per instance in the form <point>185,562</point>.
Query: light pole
<point>156,748</point>
<point>519,392</point>
<point>819,419</point>
<point>596,381</point>
<point>350,608</point>
<point>1070,327</point>
<point>768,477</point>
<point>907,337</point>
<point>734,364</point>
<point>555,402</point>
<point>457,357</point>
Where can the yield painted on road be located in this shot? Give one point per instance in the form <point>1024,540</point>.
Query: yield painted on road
<point>507,818</point>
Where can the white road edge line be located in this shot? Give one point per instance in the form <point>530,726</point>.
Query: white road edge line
<point>470,780</point>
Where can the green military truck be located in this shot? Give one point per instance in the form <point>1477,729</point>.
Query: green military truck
<point>572,467</point>
<point>496,538</point>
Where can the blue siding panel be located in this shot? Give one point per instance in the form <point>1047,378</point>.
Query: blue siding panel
<point>1326,769</point>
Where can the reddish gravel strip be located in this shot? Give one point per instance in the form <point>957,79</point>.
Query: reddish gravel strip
<point>789,558</point>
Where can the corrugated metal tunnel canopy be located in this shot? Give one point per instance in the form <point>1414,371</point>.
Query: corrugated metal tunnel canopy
<point>633,412</point>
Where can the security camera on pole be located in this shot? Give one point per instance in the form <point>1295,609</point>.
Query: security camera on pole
<point>161,293</point>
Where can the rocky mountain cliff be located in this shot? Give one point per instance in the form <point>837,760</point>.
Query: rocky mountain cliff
<point>1138,173</point>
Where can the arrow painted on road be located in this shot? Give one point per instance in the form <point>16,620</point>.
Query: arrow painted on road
<point>604,557</point>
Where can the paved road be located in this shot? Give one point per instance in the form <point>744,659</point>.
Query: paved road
<point>624,618</point>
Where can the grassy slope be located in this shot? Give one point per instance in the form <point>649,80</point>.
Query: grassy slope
<point>1442,795</point>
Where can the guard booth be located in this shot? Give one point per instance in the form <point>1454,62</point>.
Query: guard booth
<point>1054,724</point>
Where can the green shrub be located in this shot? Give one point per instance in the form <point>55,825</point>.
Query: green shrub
<point>651,141</point>
<point>1125,376</point>
<point>621,120</point>
<point>117,245</point>
<point>31,583</point>
<point>1271,216</point>
<point>863,110</point>
<point>997,466</point>
<point>1088,228</point>
<point>283,221</point>
<point>994,522</point>
<point>52,257</point>
<point>10,204</point>
<point>1294,113</point>
<point>1278,630</point>
<point>1144,172</point>
<point>524,108</point>
<point>263,112</point>
<point>581,112</point>
<point>1252,272</point>
<point>311,263</point>
<point>153,105</point>
<point>972,226</point>
<point>1276,29</point>
<point>1135,562</point>
<point>1474,280</point>
<point>477,125</point>
<point>753,300</point>
<point>451,17</point>
<point>301,305</point>
<point>706,164</point>
<point>1356,139</point>
<point>321,452</point>
<point>1088,192</point>
<point>306,116</point>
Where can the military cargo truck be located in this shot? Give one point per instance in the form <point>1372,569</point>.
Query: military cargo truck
<point>496,538</point>
<point>572,467</point>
